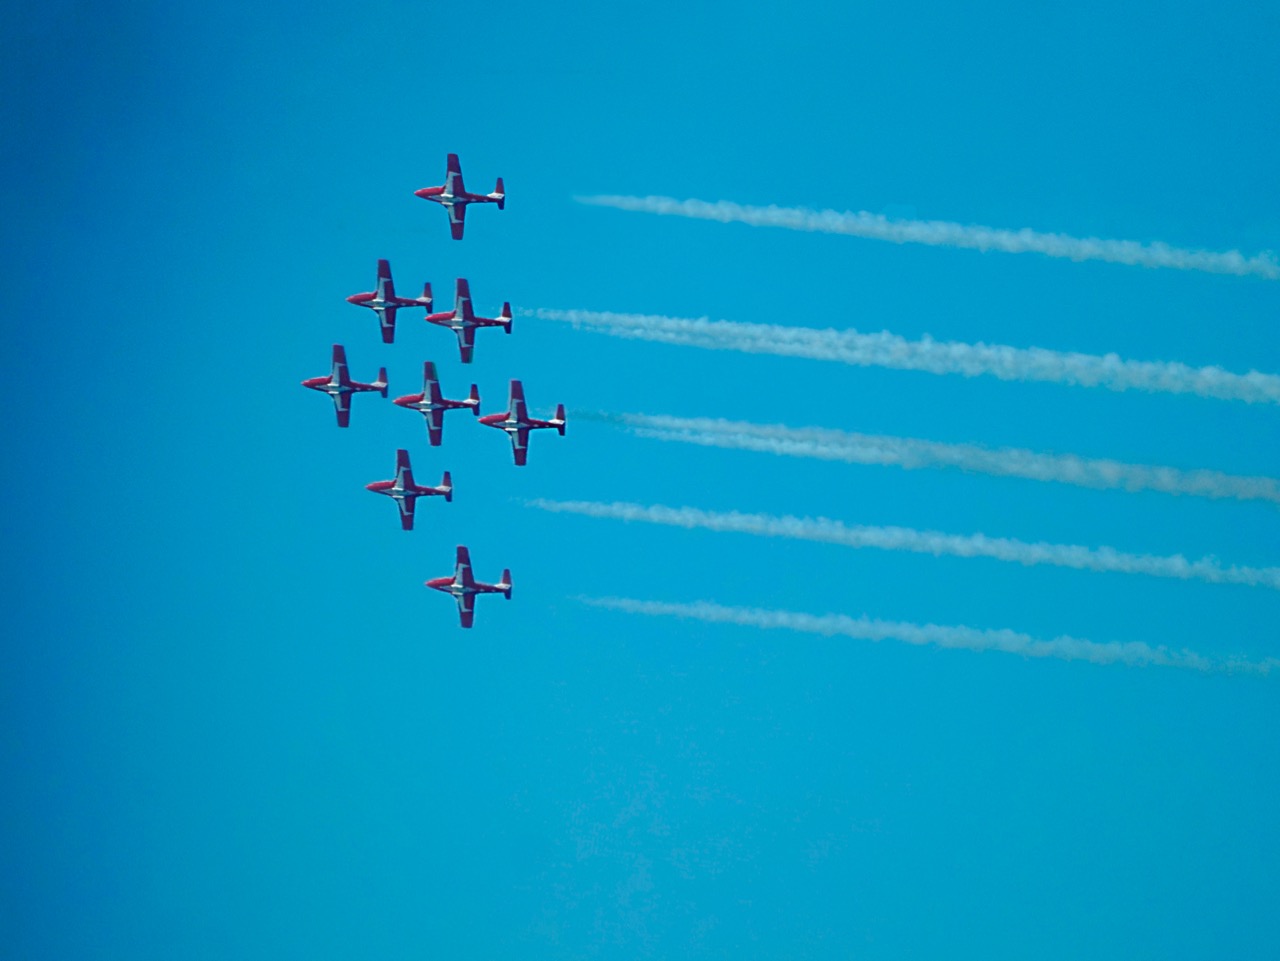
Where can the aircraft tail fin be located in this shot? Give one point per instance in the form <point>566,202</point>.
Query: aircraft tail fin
<point>505,584</point>
<point>447,483</point>
<point>474,400</point>
<point>559,419</point>
<point>381,382</point>
<point>505,316</point>
<point>425,299</point>
<point>500,195</point>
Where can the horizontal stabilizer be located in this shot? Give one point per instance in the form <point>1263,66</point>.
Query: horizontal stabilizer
<point>381,382</point>
<point>506,583</point>
<point>447,483</point>
<point>559,421</point>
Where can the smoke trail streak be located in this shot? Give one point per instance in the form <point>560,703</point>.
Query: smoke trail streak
<point>1102,559</point>
<point>1132,653</point>
<point>911,453</point>
<point>885,349</point>
<point>941,233</point>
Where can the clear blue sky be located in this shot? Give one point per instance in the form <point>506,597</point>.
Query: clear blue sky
<point>236,724</point>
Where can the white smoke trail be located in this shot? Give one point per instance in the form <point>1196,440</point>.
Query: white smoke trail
<point>911,453</point>
<point>1132,654</point>
<point>1102,559</point>
<point>941,233</point>
<point>884,349</point>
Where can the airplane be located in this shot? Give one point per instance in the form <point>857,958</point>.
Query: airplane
<point>517,422</point>
<point>462,320</point>
<point>385,303</point>
<point>340,386</point>
<point>406,492</point>
<point>454,198</point>
<point>464,587</point>
<point>433,404</point>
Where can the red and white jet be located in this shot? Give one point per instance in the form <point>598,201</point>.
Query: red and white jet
<point>433,404</point>
<point>462,320</point>
<point>454,198</point>
<point>385,303</point>
<point>340,386</point>
<point>464,587</point>
<point>406,492</point>
<point>517,422</point>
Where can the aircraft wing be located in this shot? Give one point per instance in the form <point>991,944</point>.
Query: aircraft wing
<point>457,219</point>
<point>339,373</point>
<point>387,320</point>
<point>462,572</point>
<point>386,290</point>
<point>517,407</point>
<point>404,473</point>
<point>520,445</point>
<point>466,608</point>
<point>453,177</point>
<point>435,426</point>
<point>430,385</point>
<point>406,505</point>
<point>466,343</point>
<point>462,300</point>
<point>342,407</point>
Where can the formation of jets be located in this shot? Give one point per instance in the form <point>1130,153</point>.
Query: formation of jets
<point>431,402</point>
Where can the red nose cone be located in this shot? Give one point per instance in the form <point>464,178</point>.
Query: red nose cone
<point>354,298</point>
<point>406,400</point>
<point>421,193</point>
<point>372,487</point>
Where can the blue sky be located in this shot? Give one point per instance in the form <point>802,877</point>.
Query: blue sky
<point>238,726</point>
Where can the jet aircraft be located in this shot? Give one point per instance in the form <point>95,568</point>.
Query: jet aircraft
<point>464,587</point>
<point>433,404</point>
<point>517,422</point>
<point>385,303</point>
<point>453,196</point>
<point>462,320</point>
<point>339,386</point>
<point>406,492</point>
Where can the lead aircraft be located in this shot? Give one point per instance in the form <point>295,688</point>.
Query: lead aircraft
<point>453,196</point>
<point>432,404</point>
<point>462,320</point>
<point>385,303</point>
<point>464,587</point>
<point>405,492</point>
<point>339,386</point>
<point>517,422</point>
